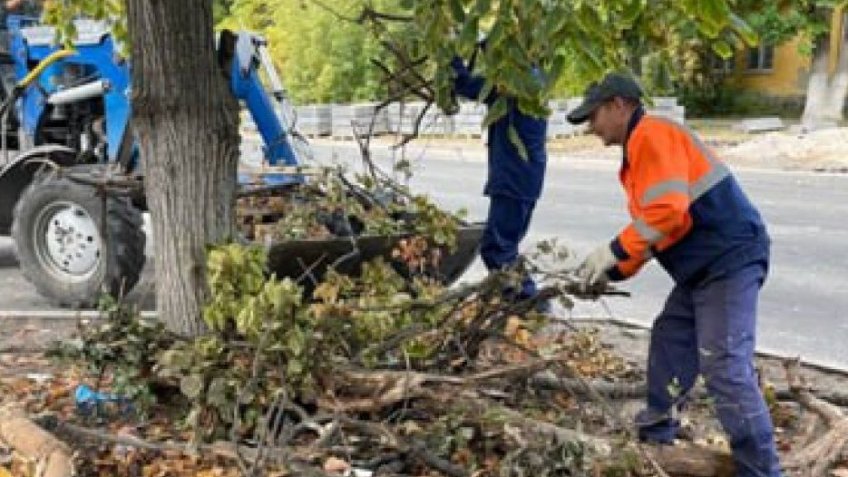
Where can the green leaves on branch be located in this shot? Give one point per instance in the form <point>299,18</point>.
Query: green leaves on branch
<point>497,111</point>
<point>516,141</point>
<point>723,49</point>
<point>629,12</point>
<point>531,44</point>
<point>713,15</point>
<point>748,35</point>
<point>62,13</point>
<point>236,275</point>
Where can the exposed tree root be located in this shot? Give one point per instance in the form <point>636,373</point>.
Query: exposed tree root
<point>823,452</point>
<point>51,456</point>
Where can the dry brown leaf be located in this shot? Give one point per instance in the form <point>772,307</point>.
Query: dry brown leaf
<point>463,456</point>
<point>278,473</point>
<point>213,472</point>
<point>336,465</point>
<point>513,324</point>
<point>840,472</point>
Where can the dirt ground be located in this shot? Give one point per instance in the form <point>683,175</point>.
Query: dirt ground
<point>20,358</point>
<point>818,151</point>
<point>698,422</point>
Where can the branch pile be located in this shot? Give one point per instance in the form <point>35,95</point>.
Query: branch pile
<point>384,373</point>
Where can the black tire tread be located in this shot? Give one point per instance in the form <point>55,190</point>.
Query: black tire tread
<point>124,249</point>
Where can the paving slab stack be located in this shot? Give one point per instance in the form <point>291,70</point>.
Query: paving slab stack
<point>347,116</point>
<point>468,120</point>
<point>760,125</point>
<point>558,126</point>
<point>314,119</point>
<point>667,107</point>
<point>337,120</point>
<point>402,117</point>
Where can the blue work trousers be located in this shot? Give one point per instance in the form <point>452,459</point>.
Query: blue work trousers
<point>506,225</point>
<point>708,329</point>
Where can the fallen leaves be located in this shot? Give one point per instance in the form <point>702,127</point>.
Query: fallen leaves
<point>334,465</point>
<point>839,472</point>
<point>416,422</point>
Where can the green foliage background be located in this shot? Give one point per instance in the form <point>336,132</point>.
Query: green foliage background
<point>325,57</point>
<point>321,58</point>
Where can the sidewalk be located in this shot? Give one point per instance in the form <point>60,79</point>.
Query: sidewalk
<point>819,151</point>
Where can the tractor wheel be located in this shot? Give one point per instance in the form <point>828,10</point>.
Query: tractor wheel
<point>58,231</point>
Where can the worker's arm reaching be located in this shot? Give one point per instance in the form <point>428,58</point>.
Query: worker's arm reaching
<point>659,198</point>
<point>469,85</point>
<point>659,203</point>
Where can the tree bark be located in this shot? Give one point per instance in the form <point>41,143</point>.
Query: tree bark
<point>186,121</point>
<point>817,85</point>
<point>839,81</point>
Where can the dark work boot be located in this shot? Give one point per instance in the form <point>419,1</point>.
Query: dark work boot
<point>656,428</point>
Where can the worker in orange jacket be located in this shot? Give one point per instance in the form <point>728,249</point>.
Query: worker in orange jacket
<point>688,212</point>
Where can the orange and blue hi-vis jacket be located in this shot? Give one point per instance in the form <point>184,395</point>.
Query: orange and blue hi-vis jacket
<point>688,210</point>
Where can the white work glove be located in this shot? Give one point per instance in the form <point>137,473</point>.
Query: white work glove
<point>593,270</point>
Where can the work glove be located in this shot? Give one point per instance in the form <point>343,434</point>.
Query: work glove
<point>593,271</point>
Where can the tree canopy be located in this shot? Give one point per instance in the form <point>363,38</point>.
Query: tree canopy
<point>325,50</point>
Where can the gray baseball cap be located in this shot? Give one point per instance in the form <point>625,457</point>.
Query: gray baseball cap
<point>613,84</point>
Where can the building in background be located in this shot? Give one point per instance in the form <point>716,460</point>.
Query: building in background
<point>780,70</point>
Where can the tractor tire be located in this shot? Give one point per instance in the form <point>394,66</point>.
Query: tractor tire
<point>61,248</point>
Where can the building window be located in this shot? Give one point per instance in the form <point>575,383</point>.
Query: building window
<point>761,58</point>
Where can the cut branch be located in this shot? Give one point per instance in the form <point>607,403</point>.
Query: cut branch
<point>549,380</point>
<point>34,443</point>
<point>689,460</point>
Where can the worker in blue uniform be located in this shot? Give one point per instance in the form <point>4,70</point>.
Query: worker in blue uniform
<point>514,184</point>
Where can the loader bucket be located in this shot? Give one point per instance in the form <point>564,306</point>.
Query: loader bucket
<point>308,260</point>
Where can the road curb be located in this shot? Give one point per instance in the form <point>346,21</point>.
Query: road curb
<point>760,353</point>
<point>33,331</point>
<point>36,318</point>
<point>61,315</point>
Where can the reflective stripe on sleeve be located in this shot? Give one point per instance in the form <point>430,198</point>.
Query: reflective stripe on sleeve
<point>718,172</point>
<point>650,234</point>
<point>658,190</point>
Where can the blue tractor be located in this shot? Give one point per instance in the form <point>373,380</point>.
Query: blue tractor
<point>67,114</point>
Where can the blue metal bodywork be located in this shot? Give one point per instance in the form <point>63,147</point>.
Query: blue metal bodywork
<point>246,86</point>
<point>97,59</point>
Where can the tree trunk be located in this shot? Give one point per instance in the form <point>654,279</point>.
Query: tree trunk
<point>839,82</point>
<point>186,121</point>
<point>817,85</point>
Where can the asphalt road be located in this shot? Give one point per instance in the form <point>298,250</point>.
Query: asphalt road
<point>804,305</point>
